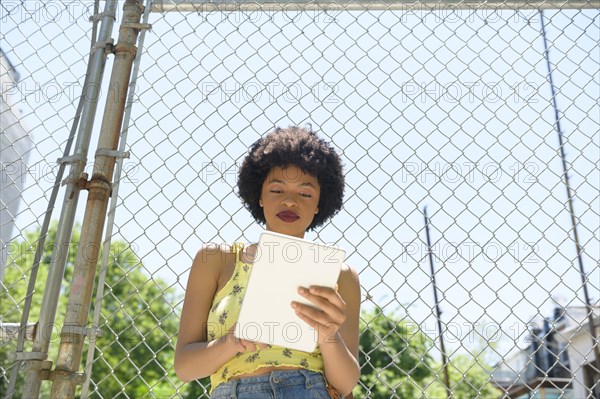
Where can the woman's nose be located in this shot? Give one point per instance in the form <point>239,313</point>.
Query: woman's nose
<point>289,201</point>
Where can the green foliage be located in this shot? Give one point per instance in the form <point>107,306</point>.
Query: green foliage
<point>134,356</point>
<point>20,257</point>
<point>394,357</point>
<point>469,378</point>
<point>198,389</point>
<point>396,360</point>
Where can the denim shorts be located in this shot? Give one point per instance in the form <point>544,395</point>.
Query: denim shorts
<point>284,384</point>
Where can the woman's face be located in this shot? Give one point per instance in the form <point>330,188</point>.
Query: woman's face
<point>290,200</point>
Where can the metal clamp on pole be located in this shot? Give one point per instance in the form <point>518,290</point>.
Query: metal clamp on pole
<point>92,332</point>
<point>30,356</point>
<point>79,180</point>
<point>112,153</point>
<point>107,45</point>
<point>85,331</point>
<point>10,331</point>
<point>72,159</point>
<point>64,375</point>
<point>136,25</point>
<point>106,13</point>
<point>38,357</point>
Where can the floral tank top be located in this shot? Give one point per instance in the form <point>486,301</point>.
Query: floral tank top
<point>224,314</point>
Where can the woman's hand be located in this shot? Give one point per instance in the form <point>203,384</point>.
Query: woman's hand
<point>241,345</point>
<point>336,320</point>
<point>329,315</point>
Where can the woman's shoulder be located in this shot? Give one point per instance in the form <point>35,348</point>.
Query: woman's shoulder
<point>215,255</point>
<point>348,272</point>
<point>348,279</point>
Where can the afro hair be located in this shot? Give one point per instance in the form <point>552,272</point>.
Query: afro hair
<point>293,146</point>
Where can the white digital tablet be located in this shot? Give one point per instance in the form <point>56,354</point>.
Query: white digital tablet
<point>282,264</point>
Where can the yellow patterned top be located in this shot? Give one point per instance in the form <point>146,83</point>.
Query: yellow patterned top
<point>224,314</point>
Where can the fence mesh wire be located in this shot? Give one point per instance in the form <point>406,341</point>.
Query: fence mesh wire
<point>446,108</point>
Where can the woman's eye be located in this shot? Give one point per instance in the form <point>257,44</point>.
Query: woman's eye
<point>276,191</point>
<point>306,195</point>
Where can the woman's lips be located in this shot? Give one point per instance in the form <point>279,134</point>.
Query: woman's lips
<point>288,216</point>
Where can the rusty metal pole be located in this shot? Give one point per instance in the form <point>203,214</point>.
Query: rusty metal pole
<point>36,363</point>
<point>66,376</point>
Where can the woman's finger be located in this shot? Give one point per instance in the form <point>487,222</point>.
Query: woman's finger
<point>336,312</point>
<point>242,345</point>
<point>318,315</point>
<point>326,331</point>
<point>323,296</point>
<point>261,345</point>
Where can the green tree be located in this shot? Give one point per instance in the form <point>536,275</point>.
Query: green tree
<point>396,362</point>
<point>469,378</point>
<point>20,256</point>
<point>197,389</point>
<point>394,357</point>
<point>134,356</point>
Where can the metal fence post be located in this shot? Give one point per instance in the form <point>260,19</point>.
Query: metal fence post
<point>61,249</point>
<point>65,375</point>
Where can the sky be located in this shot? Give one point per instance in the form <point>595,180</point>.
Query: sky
<point>449,110</point>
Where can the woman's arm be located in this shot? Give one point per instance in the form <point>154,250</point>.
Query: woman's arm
<point>337,326</point>
<point>195,357</point>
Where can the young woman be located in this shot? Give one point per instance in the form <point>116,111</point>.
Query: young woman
<point>291,181</point>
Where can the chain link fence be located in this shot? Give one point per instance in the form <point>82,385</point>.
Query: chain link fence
<point>458,109</point>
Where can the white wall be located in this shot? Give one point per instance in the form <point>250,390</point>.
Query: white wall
<point>15,146</point>
<point>580,352</point>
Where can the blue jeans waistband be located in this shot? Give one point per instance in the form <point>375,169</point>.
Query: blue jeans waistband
<point>274,380</point>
